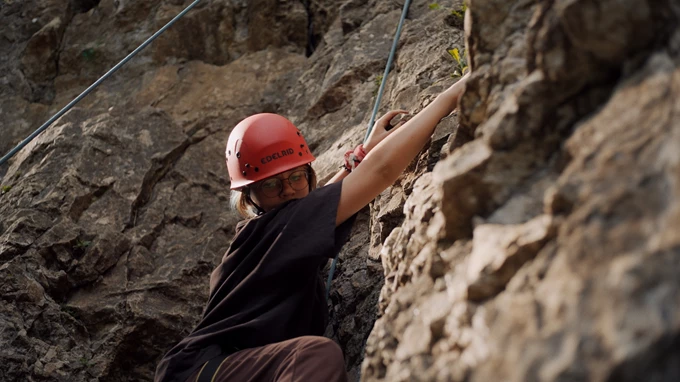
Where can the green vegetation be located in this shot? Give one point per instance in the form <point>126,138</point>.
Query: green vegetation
<point>85,362</point>
<point>460,13</point>
<point>461,61</point>
<point>5,189</point>
<point>378,82</point>
<point>82,244</point>
<point>434,6</point>
<point>89,54</point>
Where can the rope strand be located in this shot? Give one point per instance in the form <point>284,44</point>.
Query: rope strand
<point>395,43</point>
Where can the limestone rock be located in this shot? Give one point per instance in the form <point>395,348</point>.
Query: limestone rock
<point>534,238</point>
<point>464,191</point>
<point>554,225</point>
<point>102,215</point>
<point>498,251</point>
<point>39,61</point>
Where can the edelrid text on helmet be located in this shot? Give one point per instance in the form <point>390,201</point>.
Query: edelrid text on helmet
<point>276,156</point>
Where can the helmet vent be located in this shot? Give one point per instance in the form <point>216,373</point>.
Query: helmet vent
<point>238,154</point>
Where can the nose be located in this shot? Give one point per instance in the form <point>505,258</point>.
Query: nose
<point>286,189</point>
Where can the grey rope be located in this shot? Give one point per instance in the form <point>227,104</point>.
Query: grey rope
<point>94,85</point>
<point>387,69</point>
<point>390,59</point>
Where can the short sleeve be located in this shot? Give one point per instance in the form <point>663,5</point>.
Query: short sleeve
<point>309,226</point>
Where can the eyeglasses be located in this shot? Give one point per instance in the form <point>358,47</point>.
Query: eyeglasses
<point>272,187</point>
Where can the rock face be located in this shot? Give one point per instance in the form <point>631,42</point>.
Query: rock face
<point>546,248</point>
<point>534,238</point>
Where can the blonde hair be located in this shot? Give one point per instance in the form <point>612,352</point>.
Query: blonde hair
<point>241,203</point>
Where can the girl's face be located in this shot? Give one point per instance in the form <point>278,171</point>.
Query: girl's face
<point>273,191</point>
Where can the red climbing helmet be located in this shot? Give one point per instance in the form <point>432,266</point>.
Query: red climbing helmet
<point>264,145</point>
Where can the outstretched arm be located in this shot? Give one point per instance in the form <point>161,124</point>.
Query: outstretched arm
<point>386,161</point>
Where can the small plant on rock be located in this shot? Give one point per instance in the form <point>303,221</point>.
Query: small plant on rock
<point>378,82</point>
<point>82,244</point>
<point>5,189</point>
<point>85,362</point>
<point>89,54</point>
<point>455,16</point>
<point>461,61</point>
<point>460,12</point>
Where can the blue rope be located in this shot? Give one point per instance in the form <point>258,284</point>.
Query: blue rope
<point>375,112</point>
<point>94,85</point>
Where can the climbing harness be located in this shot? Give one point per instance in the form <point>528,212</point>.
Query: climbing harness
<point>94,85</point>
<point>407,3</point>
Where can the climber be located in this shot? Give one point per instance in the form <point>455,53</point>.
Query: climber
<point>266,313</point>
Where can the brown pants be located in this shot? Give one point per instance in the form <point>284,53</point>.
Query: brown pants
<point>301,359</point>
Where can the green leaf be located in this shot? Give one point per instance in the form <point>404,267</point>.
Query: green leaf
<point>460,13</point>
<point>82,243</point>
<point>85,362</point>
<point>455,54</point>
<point>89,53</point>
<point>378,80</point>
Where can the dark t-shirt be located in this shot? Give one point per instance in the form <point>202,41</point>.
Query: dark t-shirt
<point>268,287</point>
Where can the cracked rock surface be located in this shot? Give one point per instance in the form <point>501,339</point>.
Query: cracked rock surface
<point>534,238</point>
<point>546,248</point>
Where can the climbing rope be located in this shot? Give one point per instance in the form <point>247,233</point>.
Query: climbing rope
<point>387,69</point>
<point>390,59</point>
<point>94,85</point>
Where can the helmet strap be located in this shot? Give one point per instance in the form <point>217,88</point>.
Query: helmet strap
<point>259,209</point>
<point>309,176</point>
